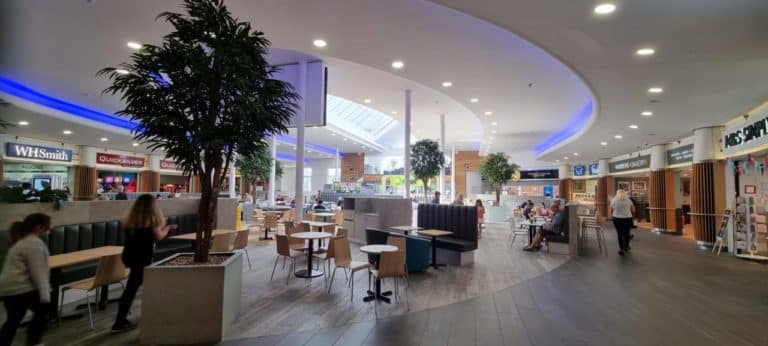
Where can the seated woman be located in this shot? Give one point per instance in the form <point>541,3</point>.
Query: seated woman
<point>548,228</point>
<point>527,211</point>
<point>319,205</point>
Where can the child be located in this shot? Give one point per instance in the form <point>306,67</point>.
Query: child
<point>480,216</point>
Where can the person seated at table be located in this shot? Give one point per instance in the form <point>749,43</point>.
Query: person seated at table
<point>548,228</point>
<point>340,202</point>
<point>24,282</point>
<point>319,205</point>
<point>280,200</point>
<point>144,225</point>
<point>436,198</point>
<point>480,217</point>
<point>528,211</point>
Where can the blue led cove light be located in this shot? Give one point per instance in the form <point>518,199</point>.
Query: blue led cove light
<point>580,120</point>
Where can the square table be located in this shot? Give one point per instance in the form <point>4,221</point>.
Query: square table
<point>406,229</point>
<point>434,233</point>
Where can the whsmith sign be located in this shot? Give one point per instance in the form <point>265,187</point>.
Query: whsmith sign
<point>745,137</point>
<point>37,152</point>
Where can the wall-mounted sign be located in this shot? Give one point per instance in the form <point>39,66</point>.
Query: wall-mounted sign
<point>579,170</point>
<point>747,136</point>
<point>168,164</point>
<point>539,174</point>
<point>119,160</point>
<point>594,169</point>
<point>680,155</point>
<point>37,152</point>
<point>639,162</point>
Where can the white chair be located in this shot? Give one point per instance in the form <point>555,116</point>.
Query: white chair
<point>515,231</point>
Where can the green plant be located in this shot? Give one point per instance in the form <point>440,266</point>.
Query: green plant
<point>12,194</point>
<point>202,95</point>
<point>46,195</point>
<point>255,167</point>
<point>426,161</point>
<point>497,170</point>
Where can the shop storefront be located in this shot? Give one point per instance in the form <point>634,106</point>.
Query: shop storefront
<point>115,169</point>
<point>584,187</point>
<point>631,175</point>
<point>171,178</point>
<point>534,183</point>
<point>37,163</point>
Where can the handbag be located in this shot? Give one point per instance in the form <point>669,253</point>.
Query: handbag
<point>634,223</point>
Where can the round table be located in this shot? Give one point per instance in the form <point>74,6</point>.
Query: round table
<point>311,236</point>
<point>376,250</point>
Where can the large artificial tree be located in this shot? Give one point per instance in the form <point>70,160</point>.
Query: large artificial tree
<point>426,161</point>
<point>258,167</point>
<point>496,170</point>
<point>202,95</point>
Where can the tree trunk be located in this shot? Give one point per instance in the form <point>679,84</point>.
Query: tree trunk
<point>204,222</point>
<point>426,195</point>
<point>498,195</point>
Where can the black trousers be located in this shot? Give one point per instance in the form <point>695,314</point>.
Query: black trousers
<point>135,279</point>
<point>16,307</point>
<point>623,226</point>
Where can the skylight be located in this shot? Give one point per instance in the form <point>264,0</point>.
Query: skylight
<point>357,118</point>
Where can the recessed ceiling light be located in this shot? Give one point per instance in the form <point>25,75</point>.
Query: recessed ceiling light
<point>647,113</point>
<point>345,139</point>
<point>606,8</point>
<point>135,144</point>
<point>493,131</point>
<point>367,100</point>
<point>565,157</point>
<point>104,139</point>
<point>633,126</point>
<point>319,43</point>
<point>122,71</point>
<point>393,112</point>
<point>645,51</point>
<point>494,123</point>
<point>575,154</point>
<point>655,90</point>
<point>333,134</point>
<point>474,100</point>
<point>397,64</point>
<point>558,160</point>
<point>491,138</point>
<point>133,45</point>
<point>603,143</point>
<point>23,123</point>
<point>67,132</point>
<point>447,84</point>
<point>618,137</point>
<point>488,113</point>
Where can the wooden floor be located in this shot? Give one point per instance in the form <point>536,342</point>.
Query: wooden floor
<point>665,293</point>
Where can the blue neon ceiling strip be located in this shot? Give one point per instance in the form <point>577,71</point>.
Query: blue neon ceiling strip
<point>316,147</point>
<point>289,157</point>
<point>580,120</point>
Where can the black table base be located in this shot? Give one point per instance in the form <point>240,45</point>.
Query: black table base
<point>266,235</point>
<point>379,295</point>
<point>309,272</point>
<point>434,254</point>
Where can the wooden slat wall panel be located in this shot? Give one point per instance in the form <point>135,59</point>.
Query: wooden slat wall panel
<point>149,181</point>
<point>669,199</point>
<point>2,179</point>
<point>706,179</point>
<point>194,184</point>
<point>602,196</point>
<point>657,199</point>
<point>85,183</point>
<point>564,189</point>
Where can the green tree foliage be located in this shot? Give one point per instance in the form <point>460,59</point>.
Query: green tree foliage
<point>497,170</point>
<point>426,161</point>
<point>258,167</point>
<point>202,94</point>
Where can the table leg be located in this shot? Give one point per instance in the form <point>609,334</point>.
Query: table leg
<point>434,254</point>
<point>531,230</point>
<point>309,272</point>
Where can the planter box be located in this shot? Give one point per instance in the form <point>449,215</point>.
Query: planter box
<point>193,304</point>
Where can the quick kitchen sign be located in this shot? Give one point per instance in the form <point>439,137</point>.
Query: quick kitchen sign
<point>744,137</point>
<point>168,164</point>
<point>119,160</point>
<point>680,155</point>
<point>634,163</point>
<point>37,152</point>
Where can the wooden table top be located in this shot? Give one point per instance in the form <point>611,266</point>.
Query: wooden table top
<point>311,235</point>
<point>192,236</point>
<point>319,223</point>
<point>75,257</point>
<point>434,232</point>
<point>406,228</point>
<point>377,249</point>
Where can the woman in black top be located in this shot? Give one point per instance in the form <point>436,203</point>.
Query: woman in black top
<point>144,225</point>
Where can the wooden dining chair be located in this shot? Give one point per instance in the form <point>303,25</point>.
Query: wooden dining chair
<point>222,242</point>
<point>110,270</point>
<point>241,243</point>
<point>284,251</point>
<point>339,218</point>
<point>296,243</point>
<point>341,231</point>
<point>391,265</point>
<point>400,243</point>
<point>324,258</point>
<point>270,223</point>
<point>342,258</point>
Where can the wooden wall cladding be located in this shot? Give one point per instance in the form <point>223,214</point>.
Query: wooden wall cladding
<point>194,184</point>
<point>149,181</point>
<point>465,161</point>
<point>565,189</point>
<point>657,201</point>
<point>2,179</point>
<point>352,166</point>
<point>707,197</point>
<point>85,183</point>
<point>669,195</point>
<point>602,196</point>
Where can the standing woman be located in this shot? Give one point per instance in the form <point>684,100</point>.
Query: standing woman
<point>622,209</point>
<point>144,225</point>
<point>480,217</point>
<point>24,282</point>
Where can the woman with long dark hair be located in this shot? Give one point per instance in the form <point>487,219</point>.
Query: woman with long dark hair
<point>25,280</point>
<point>144,225</point>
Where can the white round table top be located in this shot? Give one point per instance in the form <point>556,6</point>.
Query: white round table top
<point>311,235</point>
<point>376,249</point>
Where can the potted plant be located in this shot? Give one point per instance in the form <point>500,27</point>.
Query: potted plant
<point>202,95</point>
<point>497,170</point>
<point>426,162</point>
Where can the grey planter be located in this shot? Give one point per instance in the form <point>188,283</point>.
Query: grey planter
<point>190,304</point>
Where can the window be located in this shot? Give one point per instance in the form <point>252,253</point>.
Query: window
<point>331,176</point>
<point>307,179</point>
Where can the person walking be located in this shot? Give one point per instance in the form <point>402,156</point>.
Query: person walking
<point>24,282</point>
<point>144,225</point>
<point>480,217</point>
<point>621,210</point>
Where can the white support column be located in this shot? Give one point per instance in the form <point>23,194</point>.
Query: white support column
<point>338,165</point>
<point>232,193</point>
<point>407,149</point>
<point>442,148</point>
<point>453,171</point>
<point>564,171</point>
<point>658,157</point>
<point>300,116</point>
<point>272,172</point>
<point>602,168</point>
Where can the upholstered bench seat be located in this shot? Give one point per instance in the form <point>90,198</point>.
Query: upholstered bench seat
<point>455,244</point>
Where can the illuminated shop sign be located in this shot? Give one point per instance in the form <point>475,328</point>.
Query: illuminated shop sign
<point>539,174</point>
<point>119,160</point>
<point>640,162</point>
<point>168,164</point>
<point>37,152</point>
<point>594,169</point>
<point>746,137</point>
<point>579,170</point>
<point>680,155</point>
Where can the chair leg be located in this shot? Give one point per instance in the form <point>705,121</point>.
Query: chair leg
<point>248,257</point>
<point>61,303</point>
<point>407,283</point>
<point>352,287</point>
<point>275,267</point>
<point>293,267</point>
<point>332,277</point>
<point>88,303</point>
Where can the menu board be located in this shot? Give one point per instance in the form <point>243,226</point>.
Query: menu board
<point>681,154</point>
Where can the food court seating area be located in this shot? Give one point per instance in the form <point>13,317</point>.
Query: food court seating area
<point>461,220</point>
<point>417,248</point>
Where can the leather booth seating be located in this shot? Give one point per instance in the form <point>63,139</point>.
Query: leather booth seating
<point>461,220</point>
<point>69,238</point>
<point>416,248</point>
